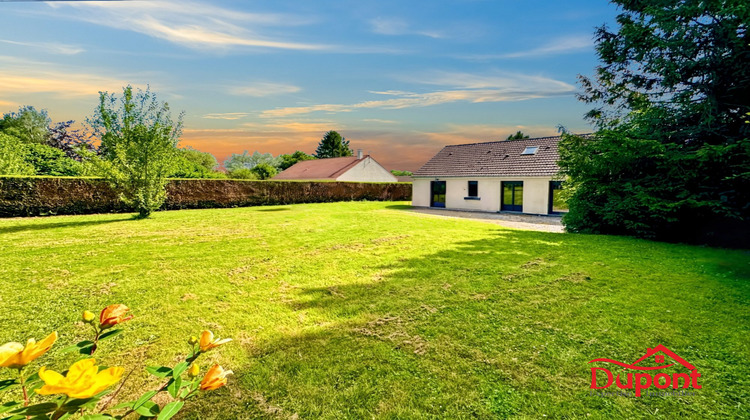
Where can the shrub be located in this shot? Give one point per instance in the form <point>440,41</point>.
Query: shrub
<point>47,160</point>
<point>264,171</point>
<point>12,154</point>
<point>242,173</point>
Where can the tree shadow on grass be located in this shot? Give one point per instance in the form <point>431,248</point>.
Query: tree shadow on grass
<point>399,207</point>
<point>58,225</point>
<point>496,327</point>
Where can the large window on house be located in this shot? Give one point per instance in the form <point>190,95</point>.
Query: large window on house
<point>556,202</point>
<point>512,196</point>
<point>473,189</point>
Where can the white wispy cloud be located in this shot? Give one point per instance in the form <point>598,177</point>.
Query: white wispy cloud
<point>463,87</point>
<point>226,116</point>
<point>562,45</point>
<point>261,89</point>
<point>52,47</point>
<point>190,23</point>
<point>398,26</point>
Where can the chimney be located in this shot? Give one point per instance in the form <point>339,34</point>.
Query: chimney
<point>359,153</point>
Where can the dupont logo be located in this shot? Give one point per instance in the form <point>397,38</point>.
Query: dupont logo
<point>646,376</point>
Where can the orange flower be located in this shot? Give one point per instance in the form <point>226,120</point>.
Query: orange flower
<point>83,380</point>
<point>216,377</point>
<point>113,315</point>
<point>207,341</point>
<point>15,355</point>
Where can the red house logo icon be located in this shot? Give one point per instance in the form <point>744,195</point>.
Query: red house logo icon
<point>645,380</point>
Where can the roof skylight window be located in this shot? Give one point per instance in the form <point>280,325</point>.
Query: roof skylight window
<point>530,150</point>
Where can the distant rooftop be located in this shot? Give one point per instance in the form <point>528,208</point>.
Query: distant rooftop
<point>319,169</point>
<point>522,157</point>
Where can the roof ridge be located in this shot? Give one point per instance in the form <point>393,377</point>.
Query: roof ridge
<point>513,140</point>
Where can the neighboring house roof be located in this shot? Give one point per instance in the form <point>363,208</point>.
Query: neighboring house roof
<point>330,168</point>
<point>496,158</point>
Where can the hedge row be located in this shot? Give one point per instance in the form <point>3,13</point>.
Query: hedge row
<point>41,196</point>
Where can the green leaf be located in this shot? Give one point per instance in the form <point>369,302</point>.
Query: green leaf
<point>36,409</point>
<point>126,404</point>
<point>170,410</point>
<point>96,417</point>
<point>83,347</point>
<point>8,406</point>
<point>8,383</point>
<point>145,397</point>
<point>159,371</point>
<point>174,386</point>
<point>148,409</point>
<point>179,368</point>
<point>110,334</point>
<point>76,404</point>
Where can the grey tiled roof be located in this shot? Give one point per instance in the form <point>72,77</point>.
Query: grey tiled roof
<point>496,158</point>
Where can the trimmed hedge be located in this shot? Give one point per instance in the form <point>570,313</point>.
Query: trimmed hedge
<point>42,196</point>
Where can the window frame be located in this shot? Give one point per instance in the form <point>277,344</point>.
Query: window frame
<point>469,186</point>
<point>530,150</point>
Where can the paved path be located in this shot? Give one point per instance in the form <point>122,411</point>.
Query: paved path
<point>514,221</point>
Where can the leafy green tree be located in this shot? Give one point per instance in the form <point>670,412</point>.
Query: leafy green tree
<point>247,161</point>
<point>332,145</point>
<point>287,161</point>
<point>401,173</point>
<point>264,171</point>
<point>12,157</point>
<point>47,160</point>
<point>28,124</point>
<point>671,157</point>
<point>138,146</point>
<point>192,163</point>
<point>518,136</point>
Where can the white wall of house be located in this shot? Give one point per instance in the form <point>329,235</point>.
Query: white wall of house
<point>368,170</point>
<point>535,193</point>
<point>420,192</point>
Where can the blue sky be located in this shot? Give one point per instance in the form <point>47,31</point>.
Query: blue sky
<point>399,79</point>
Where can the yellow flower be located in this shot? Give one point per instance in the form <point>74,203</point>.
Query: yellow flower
<point>192,340</point>
<point>83,380</point>
<point>194,371</point>
<point>15,355</point>
<point>216,377</point>
<point>113,315</point>
<point>88,317</point>
<point>207,341</point>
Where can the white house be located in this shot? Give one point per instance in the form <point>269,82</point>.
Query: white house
<point>349,168</point>
<point>512,175</point>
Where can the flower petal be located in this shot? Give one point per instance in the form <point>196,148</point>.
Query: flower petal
<point>9,352</point>
<point>50,377</point>
<point>207,337</point>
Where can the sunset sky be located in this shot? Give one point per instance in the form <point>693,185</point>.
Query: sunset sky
<point>399,79</point>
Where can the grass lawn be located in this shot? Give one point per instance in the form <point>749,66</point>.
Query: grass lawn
<point>359,310</point>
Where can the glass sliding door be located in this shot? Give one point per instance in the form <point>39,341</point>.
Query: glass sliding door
<point>556,202</point>
<point>512,196</point>
<point>437,194</point>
